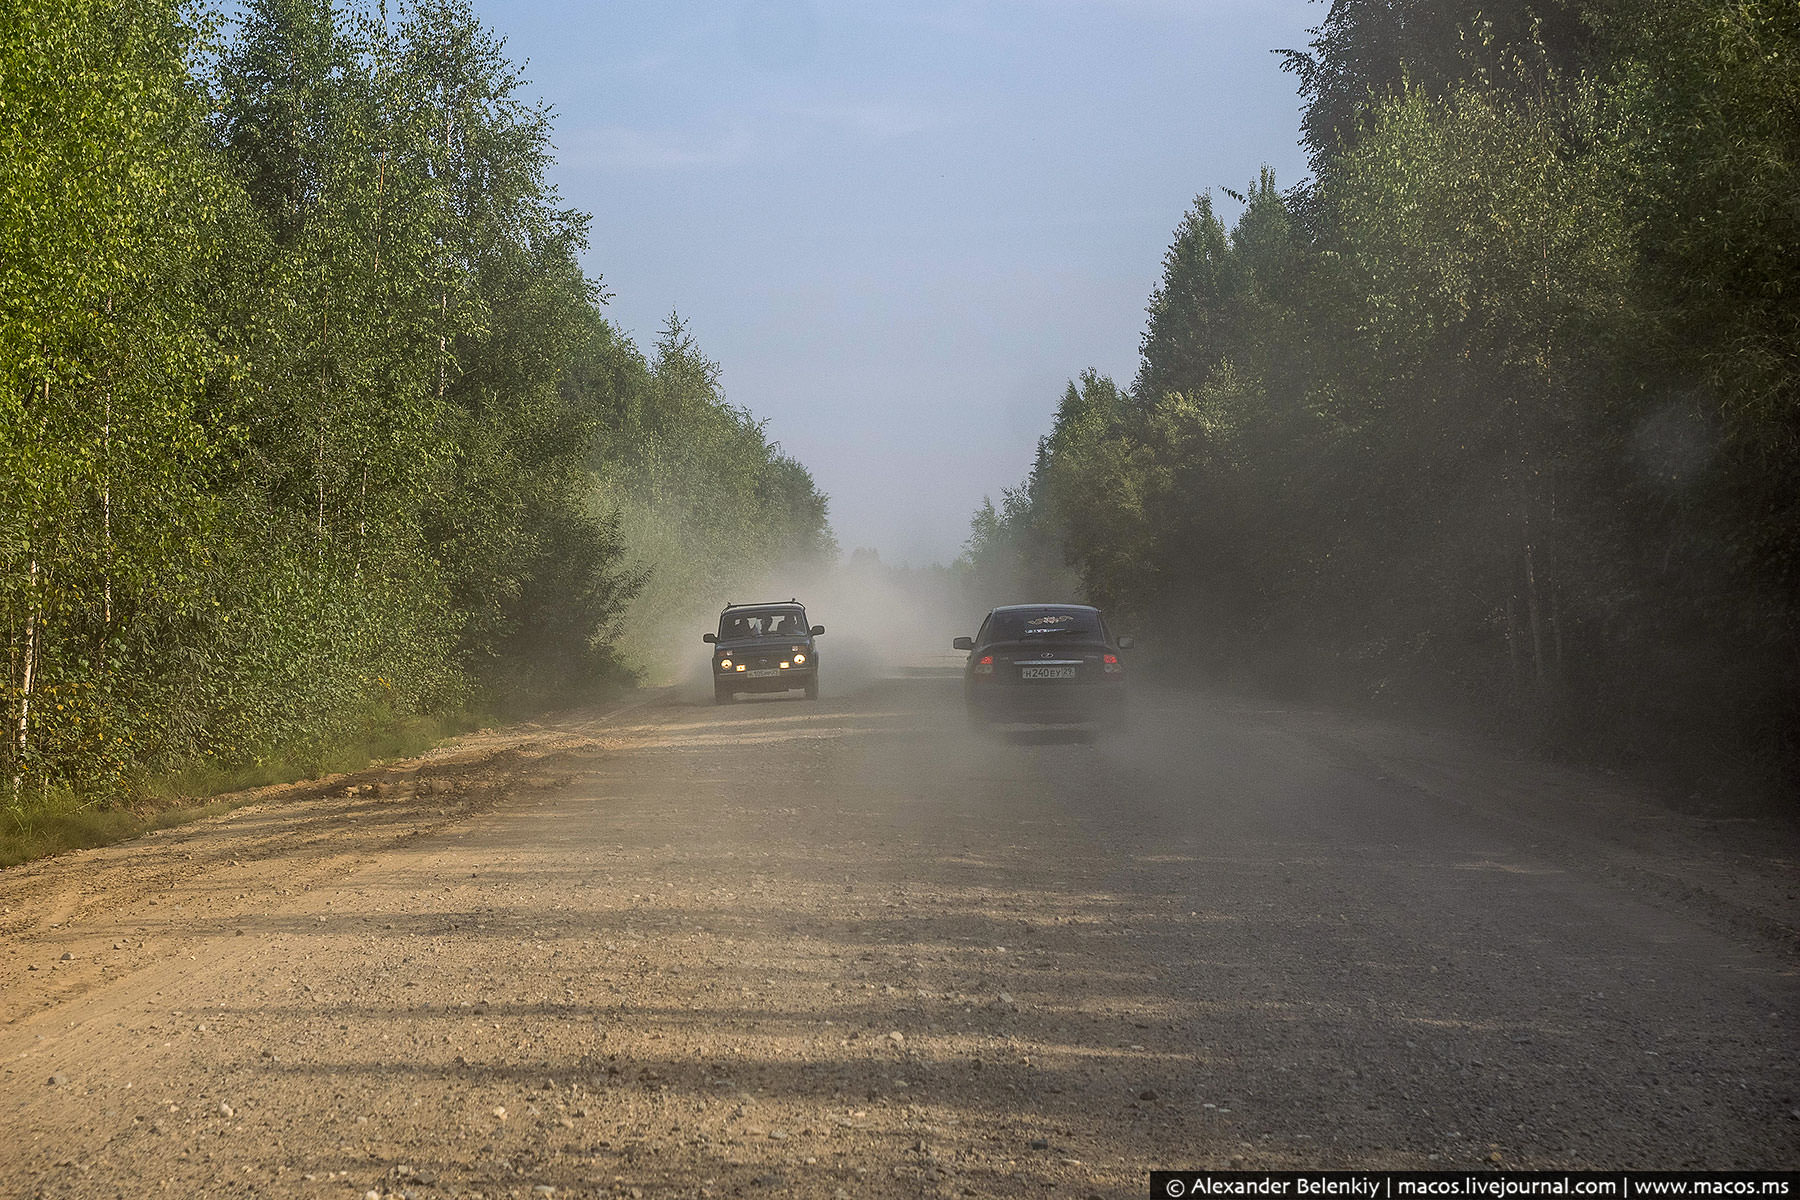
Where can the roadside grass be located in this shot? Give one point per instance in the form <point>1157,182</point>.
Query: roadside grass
<point>54,821</point>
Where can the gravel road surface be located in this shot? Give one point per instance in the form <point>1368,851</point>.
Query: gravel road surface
<point>849,948</point>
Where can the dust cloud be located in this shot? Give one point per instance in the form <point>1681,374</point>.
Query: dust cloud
<point>880,622</point>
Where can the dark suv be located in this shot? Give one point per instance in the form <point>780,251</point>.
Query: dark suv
<point>764,648</point>
<point>1049,664</point>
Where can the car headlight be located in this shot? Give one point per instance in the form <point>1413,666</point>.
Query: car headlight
<point>799,658</point>
<point>724,664</point>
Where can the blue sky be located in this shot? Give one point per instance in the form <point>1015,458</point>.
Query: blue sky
<point>903,227</point>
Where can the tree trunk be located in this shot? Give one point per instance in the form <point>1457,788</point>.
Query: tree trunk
<point>1534,612</point>
<point>362,523</point>
<point>1512,640</point>
<point>444,291</point>
<point>380,202</point>
<point>28,681</point>
<point>106,583</point>
<point>324,396</point>
<point>443,342</point>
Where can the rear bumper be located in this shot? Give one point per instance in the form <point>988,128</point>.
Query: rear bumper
<point>1047,704</point>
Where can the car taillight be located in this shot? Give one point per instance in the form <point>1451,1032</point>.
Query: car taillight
<point>1111,665</point>
<point>985,666</point>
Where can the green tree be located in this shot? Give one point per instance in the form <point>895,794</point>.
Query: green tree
<point>708,505</point>
<point>104,225</point>
<point>1187,333</point>
<point>1366,53</point>
<point>308,412</point>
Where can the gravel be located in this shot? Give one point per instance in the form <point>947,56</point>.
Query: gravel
<point>692,951</point>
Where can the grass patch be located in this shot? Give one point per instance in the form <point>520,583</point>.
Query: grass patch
<point>378,742</point>
<point>59,820</point>
<point>54,825</point>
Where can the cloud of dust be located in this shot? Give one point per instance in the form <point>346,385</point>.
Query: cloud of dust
<point>879,621</point>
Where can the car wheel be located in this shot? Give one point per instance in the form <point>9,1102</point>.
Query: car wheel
<point>722,694</point>
<point>812,688</point>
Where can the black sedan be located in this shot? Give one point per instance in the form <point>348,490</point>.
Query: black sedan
<point>1044,664</point>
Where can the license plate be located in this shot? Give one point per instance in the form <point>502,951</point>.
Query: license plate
<point>1046,672</point>
<point>766,673</point>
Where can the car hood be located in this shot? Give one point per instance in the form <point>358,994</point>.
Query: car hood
<point>766,643</point>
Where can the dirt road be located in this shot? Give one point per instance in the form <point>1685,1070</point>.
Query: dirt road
<point>849,949</point>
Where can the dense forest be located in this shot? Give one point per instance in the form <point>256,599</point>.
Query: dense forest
<point>1498,411</point>
<point>310,420</point>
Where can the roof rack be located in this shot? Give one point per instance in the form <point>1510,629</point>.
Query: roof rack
<point>761,603</point>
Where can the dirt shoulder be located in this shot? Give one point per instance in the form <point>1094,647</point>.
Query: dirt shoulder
<point>66,922</point>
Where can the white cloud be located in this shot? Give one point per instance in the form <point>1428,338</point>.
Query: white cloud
<point>764,135</point>
<point>872,119</point>
<point>625,149</point>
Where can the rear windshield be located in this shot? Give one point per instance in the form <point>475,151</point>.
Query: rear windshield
<point>1020,626</point>
<point>763,622</point>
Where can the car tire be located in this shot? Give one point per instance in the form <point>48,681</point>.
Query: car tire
<point>722,694</point>
<point>812,688</point>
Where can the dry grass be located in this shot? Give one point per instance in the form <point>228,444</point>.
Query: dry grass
<point>58,820</point>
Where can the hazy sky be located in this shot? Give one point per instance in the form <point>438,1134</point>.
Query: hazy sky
<point>903,227</point>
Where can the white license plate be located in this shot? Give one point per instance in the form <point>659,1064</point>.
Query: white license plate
<point>1046,672</point>
<point>765,673</point>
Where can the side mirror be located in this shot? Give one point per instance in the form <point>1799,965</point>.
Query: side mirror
<point>709,637</point>
<point>963,644</point>
<point>1126,643</point>
<point>817,630</point>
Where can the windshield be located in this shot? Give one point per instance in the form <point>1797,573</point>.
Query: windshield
<point>1028,624</point>
<point>763,622</point>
